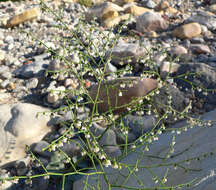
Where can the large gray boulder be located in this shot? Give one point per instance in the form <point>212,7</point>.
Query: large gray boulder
<point>193,161</point>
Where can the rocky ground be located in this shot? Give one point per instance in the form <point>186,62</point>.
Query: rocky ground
<point>174,41</point>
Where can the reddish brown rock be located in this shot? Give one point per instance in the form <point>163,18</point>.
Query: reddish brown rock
<point>114,95</point>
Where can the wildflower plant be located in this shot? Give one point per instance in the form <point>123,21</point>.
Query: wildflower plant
<point>93,159</point>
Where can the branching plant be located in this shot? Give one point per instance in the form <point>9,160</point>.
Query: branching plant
<point>93,157</point>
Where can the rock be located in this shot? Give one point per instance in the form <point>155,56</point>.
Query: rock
<point>2,55</point>
<point>171,11</point>
<point>126,53</point>
<point>20,127</point>
<point>162,6</point>
<point>206,79</point>
<point>108,140</point>
<point>150,21</point>
<point>115,21</point>
<point>109,68</point>
<point>4,69</point>
<point>116,98</point>
<point>103,11</point>
<point>34,69</point>
<point>150,4</point>
<point>138,125</point>
<point>212,8</point>
<point>168,67</point>
<point>212,2</point>
<point>188,146</point>
<point>178,50</point>
<point>41,182</point>
<point>22,166</point>
<point>23,17</point>
<point>136,10</point>
<point>32,83</point>
<point>200,48</point>
<point>179,101</point>
<point>55,94</point>
<point>72,148</point>
<point>71,82</point>
<point>187,31</point>
<point>122,2</point>
<point>203,18</point>
<point>37,148</point>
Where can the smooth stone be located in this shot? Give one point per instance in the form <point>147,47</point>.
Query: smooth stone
<point>179,101</point>
<point>212,2</point>
<point>9,39</point>
<point>190,30</point>
<point>109,93</point>
<point>162,6</point>
<point>212,8</point>
<point>37,148</point>
<point>150,4</point>
<point>2,55</point>
<point>115,21</point>
<point>34,69</point>
<point>197,169</point>
<point>23,17</point>
<point>126,53</point>
<point>4,83</point>
<point>52,98</point>
<point>171,11</point>
<point>21,166</point>
<point>41,182</point>
<point>150,21</point>
<point>178,50</point>
<point>122,2</point>
<point>206,79</point>
<point>32,83</point>
<point>203,18</point>
<point>168,67</point>
<point>103,11</point>
<point>136,10</point>
<point>72,148</point>
<point>20,127</point>
<point>200,48</point>
<point>138,125</point>
<point>108,140</point>
<point>109,68</point>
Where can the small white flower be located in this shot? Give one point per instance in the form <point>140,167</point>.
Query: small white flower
<point>146,148</point>
<point>149,112</point>
<point>96,149</point>
<point>164,180</point>
<point>83,153</point>
<point>122,85</point>
<point>115,166</point>
<point>101,156</point>
<point>107,163</point>
<point>120,93</point>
